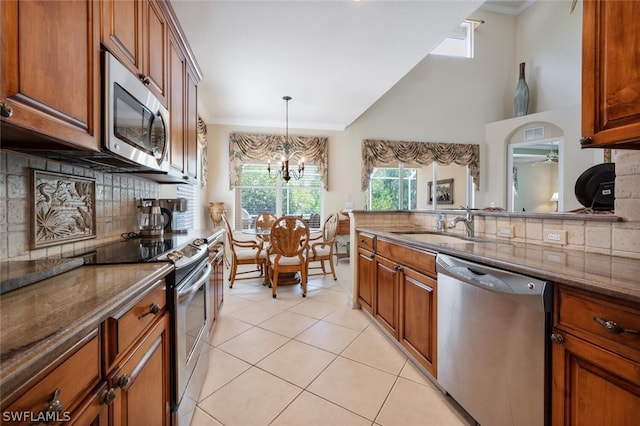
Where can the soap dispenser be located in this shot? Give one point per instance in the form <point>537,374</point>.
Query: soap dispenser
<point>440,225</point>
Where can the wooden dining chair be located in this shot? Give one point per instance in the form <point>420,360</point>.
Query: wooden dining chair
<point>289,241</point>
<point>321,247</point>
<point>265,221</point>
<point>244,252</point>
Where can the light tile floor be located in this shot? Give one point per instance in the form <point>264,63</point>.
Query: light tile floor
<point>310,361</point>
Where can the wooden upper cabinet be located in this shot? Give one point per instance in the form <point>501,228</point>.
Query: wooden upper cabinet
<point>135,31</point>
<point>610,74</point>
<point>191,126</point>
<point>155,49</point>
<point>177,78</point>
<point>50,71</point>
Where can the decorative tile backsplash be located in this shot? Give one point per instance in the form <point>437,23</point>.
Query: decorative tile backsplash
<point>115,206</point>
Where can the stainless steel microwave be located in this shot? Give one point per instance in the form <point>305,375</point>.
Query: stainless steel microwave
<point>136,124</point>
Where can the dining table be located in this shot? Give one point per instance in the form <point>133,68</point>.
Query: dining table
<point>284,278</point>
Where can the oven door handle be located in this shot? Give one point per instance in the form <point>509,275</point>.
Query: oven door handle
<point>187,292</point>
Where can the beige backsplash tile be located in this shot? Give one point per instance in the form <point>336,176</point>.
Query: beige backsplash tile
<point>598,236</point>
<point>626,239</point>
<point>116,206</point>
<point>534,230</point>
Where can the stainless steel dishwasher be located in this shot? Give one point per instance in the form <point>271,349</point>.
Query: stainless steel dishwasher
<point>493,329</point>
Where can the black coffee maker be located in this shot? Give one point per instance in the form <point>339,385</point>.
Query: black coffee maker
<point>175,217</point>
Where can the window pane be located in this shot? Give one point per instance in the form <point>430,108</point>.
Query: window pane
<point>385,189</point>
<point>410,191</point>
<point>259,193</point>
<point>458,43</point>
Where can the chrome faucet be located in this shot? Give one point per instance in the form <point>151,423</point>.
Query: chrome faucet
<point>468,222</point>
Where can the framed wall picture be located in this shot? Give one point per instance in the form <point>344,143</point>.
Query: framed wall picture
<point>64,208</point>
<point>444,191</point>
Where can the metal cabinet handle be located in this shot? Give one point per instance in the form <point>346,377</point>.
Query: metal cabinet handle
<point>108,396</point>
<point>5,110</point>
<point>144,79</point>
<point>153,309</point>
<point>613,327</point>
<point>586,140</point>
<point>54,406</point>
<point>122,381</point>
<point>557,338</point>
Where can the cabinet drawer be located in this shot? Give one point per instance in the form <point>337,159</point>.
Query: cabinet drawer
<point>600,320</point>
<point>123,330</point>
<point>69,382</point>
<point>416,259</point>
<point>367,241</point>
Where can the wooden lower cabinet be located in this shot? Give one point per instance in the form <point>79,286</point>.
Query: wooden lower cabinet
<point>94,411</point>
<point>386,294</point>
<point>397,286</point>
<point>141,382</point>
<point>60,394</point>
<point>595,368</point>
<point>366,279</point>
<point>417,332</point>
<point>593,386</point>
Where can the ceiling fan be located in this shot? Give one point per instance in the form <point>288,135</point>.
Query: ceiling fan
<point>550,157</point>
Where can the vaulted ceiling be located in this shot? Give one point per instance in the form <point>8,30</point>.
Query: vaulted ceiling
<point>334,58</point>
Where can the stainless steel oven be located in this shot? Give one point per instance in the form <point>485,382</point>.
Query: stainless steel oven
<point>191,304</point>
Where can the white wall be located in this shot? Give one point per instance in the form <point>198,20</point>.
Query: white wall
<point>451,100</point>
<point>549,41</point>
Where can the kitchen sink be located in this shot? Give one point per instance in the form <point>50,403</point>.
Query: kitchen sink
<point>436,237</point>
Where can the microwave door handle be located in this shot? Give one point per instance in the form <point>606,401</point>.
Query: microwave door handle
<point>184,295</point>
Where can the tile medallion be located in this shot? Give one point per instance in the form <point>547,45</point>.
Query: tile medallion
<point>63,208</point>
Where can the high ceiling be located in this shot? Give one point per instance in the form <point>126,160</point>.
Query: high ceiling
<point>335,58</point>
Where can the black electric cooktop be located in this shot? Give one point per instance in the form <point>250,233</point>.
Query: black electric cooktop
<point>134,250</point>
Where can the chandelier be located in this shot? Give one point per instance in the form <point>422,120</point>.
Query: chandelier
<point>286,156</point>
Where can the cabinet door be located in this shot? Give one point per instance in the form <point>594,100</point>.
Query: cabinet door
<point>191,127</point>
<point>121,27</point>
<point>93,412</point>
<point>142,381</point>
<point>593,386</point>
<point>50,67</point>
<point>177,76</point>
<point>418,317</point>
<point>366,279</point>
<point>154,45</point>
<point>386,294</point>
<point>66,385</point>
<point>610,74</point>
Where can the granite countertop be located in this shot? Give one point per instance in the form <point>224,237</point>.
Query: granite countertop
<point>41,321</point>
<point>15,274</point>
<point>607,275</point>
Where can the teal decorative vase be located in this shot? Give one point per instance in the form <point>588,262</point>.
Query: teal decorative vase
<point>521,100</point>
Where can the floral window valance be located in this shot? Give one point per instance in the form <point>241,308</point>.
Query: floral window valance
<point>257,148</point>
<point>379,153</point>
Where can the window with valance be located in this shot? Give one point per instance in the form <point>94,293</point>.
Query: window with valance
<point>380,153</point>
<point>259,148</point>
